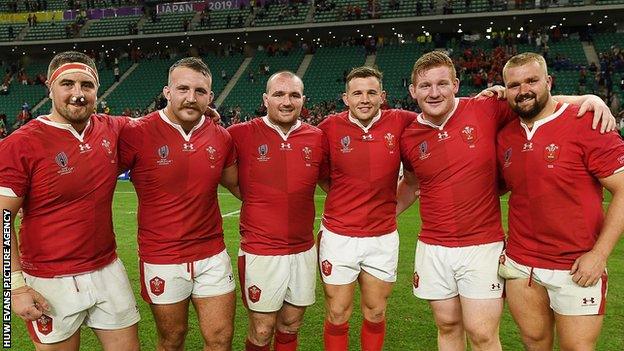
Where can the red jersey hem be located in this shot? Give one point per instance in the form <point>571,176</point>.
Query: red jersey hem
<point>61,273</point>
<point>541,263</point>
<point>460,243</point>
<point>282,251</point>
<point>358,233</point>
<point>185,259</point>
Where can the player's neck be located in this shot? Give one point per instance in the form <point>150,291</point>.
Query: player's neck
<point>186,126</point>
<point>548,110</point>
<point>285,127</point>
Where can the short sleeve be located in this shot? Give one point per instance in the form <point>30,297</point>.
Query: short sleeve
<point>15,167</point>
<point>603,154</point>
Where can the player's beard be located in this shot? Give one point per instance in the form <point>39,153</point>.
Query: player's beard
<point>76,116</point>
<point>530,112</point>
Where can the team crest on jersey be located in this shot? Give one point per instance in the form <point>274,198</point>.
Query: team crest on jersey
<point>108,150</point>
<point>415,280</point>
<point>62,161</point>
<point>621,160</point>
<point>345,142</point>
<point>212,156</point>
<point>390,142</point>
<point>254,293</point>
<point>507,158</point>
<point>306,153</point>
<point>45,324</point>
<point>469,135</point>
<point>263,151</point>
<point>528,146</point>
<point>163,153</point>
<point>157,286</point>
<point>551,154</point>
<point>326,268</point>
<point>424,148</point>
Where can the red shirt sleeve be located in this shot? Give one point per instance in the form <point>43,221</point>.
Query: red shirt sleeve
<point>14,167</point>
<point>603,154</point>
<point>230,158</point>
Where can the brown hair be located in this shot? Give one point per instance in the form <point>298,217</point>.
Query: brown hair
<point>364,72</point>
<point>524,58</point>
<point>431,60</point>
<point>68,57</point>
<point>194,63</point>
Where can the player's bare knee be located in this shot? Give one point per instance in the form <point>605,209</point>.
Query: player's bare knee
<point>289,326</point>
<point>482,339</point>
<point>374,314</point>
<point>449,326</point>
<point>172,338</point>
<point>261,334</point>
<point>339,314</point>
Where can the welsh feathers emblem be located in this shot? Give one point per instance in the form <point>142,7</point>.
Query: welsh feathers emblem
<point>469,134</point>
<point>157,286</point>
<point>551,153</point>
<point>61,159</point>
<point>306,152</point>
<point>44,325</point>
<point>390,141</point>
<point>326,268</point>
<point>254,293</point>
<point>163,151</point>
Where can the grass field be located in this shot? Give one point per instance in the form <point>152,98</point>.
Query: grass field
<point>410,323</point>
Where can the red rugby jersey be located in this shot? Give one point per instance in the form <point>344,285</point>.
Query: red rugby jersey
<point>552,170</point>
<point>67,181</point>
<point>176,178</point>
<point>455,164</point>
<point>277,175</point>
<point>364,168</point>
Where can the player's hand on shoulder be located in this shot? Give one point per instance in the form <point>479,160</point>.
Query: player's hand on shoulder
<point>28,303</point>
<point>493,90</point>
<point>602,113</point>
<point>588,268</point>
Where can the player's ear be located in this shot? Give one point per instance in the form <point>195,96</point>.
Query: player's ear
<point>166,92</point>
<point>265,98</point>
<point>412,90</point>
<point>344,99</point>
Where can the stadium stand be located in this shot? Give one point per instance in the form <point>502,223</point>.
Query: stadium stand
<point>280,15</point>
<point>7,34</point>
<point>108,27</point>
<point>165,23</point>
<point>50,30</point>
<point>219,19</point>
<point>396,61</point>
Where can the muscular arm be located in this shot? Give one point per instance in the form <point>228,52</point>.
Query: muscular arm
<point>229,179</point>
<point>27,303</point>
<point>588,268</point>
<point>407,191</point>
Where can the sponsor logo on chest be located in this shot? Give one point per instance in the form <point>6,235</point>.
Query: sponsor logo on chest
<point>84,147</point>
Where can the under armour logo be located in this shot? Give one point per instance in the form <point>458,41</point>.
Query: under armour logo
<point>443,135</point>
<point>496,286</point>
<point>285,146</point>
<point>528,146</point>
<point>367,137</point>
<point>588,300</point>
<point>188,147</point>
<point>84,147</point>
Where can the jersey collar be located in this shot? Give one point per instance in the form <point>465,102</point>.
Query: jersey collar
<point>187,137</point>
<point>422,120</point>
<point>279,131</point>
<point>530,132</point>
<point>359,124</point>
<point>66,126</point>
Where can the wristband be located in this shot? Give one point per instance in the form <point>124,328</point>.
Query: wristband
<point>17,280</point>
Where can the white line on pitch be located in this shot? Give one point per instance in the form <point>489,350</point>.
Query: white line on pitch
<point>231,214</point>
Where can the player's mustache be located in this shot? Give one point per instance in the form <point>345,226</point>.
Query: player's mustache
<point>190,105</point>
<point>521,97</point>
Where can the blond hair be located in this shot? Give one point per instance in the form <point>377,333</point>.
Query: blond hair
<point>523,59</point>
<point>431,60</point>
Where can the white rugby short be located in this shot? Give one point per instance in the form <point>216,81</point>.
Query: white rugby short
<point>341,257</point>
<point>267,281</point>
<point>102,299</point>
<point>171,283</point>
<point>566,297</point>
<point>442,272</point>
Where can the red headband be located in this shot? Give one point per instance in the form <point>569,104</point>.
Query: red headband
<point>74,67</point>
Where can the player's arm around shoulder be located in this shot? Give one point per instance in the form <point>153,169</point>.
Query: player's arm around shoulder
<point>229,175</point>
<point>591,103</point>
<point>408,191</point>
